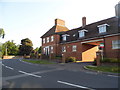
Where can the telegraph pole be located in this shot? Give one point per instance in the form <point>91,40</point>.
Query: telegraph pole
<point>6,50</point>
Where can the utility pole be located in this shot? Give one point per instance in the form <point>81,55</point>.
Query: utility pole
<point>6,50</point>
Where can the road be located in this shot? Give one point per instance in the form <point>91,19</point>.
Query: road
<point>18,74</point>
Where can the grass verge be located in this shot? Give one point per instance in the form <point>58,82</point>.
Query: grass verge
<point>113,69</point>
<point>39,61</point>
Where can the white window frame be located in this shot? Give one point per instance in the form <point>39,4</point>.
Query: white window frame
<point>74,48</point>
<point>51,49</point>
<point>64,37</point>
<point>52,38</point>
<point>47,39</point>
<point>43,40</point>
<point>63,49</point>
<point>115,44</point>
<point>82,33</point>
<point>102,28</point>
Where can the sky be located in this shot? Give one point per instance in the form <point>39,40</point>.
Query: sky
<point>22,19</point>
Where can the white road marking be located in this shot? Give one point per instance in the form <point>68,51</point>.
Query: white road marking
<point>29,74</point>
<point>74,85</point>
<point>9,67</point>
<point>91,73</point>
<point>113,76</point>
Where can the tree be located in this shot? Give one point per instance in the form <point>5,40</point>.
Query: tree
<point>10,48</point>
<point>25,47</point>
<point>2,33</point>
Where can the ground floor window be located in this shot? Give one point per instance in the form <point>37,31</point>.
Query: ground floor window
<point>51,49</point>
<point>116,44</point>
<point>74,47</point>
<point>63,49</point>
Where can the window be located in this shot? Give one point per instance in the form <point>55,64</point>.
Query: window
<point>116,44</point>
<point>82,33</point>
<point>63,49</point>
<point>44,50</point>
<point>64,37</point>
<point>102,28</point>
<point>43,40</point>
<point>52,38</point>
<point>74,47</point>
<point>47,39</point>
<point>51,49</point>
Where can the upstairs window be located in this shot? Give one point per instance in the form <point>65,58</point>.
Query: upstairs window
<point>63,49</point>
<point>64,37</point>
<point>116,44</point>
<point>82,33</point>
<point>52,38</point>
<point>43,40</point>
<point>74,48</point>
<point>102,28</point>
<point>47,39</point>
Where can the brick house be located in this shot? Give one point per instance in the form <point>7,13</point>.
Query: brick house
<point>83,42</point>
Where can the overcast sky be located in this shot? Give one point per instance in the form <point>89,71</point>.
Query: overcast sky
<point>32,18</point>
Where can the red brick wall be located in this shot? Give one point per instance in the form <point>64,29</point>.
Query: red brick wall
<point>109,52</point>
<point>55,44</point>
<point>70,53</point>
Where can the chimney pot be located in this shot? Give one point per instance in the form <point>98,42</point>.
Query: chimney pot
<point>83,21</point>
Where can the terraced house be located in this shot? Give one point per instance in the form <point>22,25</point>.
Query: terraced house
<point>83,42</point>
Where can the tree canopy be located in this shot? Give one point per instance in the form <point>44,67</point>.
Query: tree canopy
<point>25,47</point>
<point>10,48</point>
<point>2,33</point>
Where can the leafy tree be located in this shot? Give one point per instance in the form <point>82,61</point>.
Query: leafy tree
<point>10,48</point>
<point>2,33</point>
<point>25,47</point>
<point>39,50</point>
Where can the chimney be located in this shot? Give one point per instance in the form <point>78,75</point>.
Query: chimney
<point>59,22</point>
<point>83,21</point>
<point>117,9</point>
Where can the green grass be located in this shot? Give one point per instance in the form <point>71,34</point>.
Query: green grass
<point>113,69</point>
<point>39,61</point>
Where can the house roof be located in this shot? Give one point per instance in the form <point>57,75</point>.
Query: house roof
<point>58,28</point>
<point>93,30</point>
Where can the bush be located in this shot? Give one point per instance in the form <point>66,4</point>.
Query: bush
<point>58,57</point>
<point>110,60</point>
<point>70,59</point>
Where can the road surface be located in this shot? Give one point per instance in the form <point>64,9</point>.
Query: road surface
<point>19,74</point>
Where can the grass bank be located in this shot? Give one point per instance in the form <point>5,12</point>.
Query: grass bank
<point>113,69</point>
<point>39,61</point>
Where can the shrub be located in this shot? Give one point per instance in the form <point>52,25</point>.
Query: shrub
<point>94,62</point>
<point>58,57</point>
<point>70,59</point>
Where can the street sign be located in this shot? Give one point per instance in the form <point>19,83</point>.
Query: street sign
<point>101,45</point>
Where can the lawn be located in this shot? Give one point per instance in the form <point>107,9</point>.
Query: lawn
<point>39,61</point>
<point>113,69</point>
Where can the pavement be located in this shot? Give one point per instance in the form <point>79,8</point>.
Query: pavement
<point>79,66</point>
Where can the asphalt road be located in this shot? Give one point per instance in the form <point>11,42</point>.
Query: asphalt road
<point>18,74</point>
